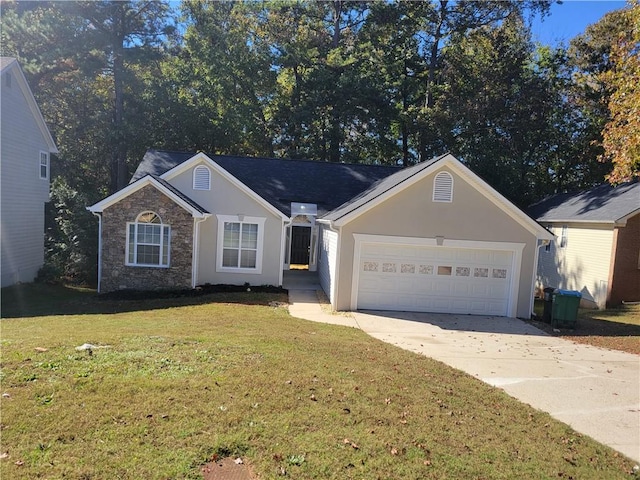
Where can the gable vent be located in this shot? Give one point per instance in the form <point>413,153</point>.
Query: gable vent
<point>443,187</point>
<point>201,178</point>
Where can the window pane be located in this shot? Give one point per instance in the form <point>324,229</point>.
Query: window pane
<point>132,238</point>
<point>231,235</point>
<point>248,259</point>
<point>249,235</point>
<point>148,254</point>
<point>149,234</point>
<point>165,246</point>
<point>229,257</point>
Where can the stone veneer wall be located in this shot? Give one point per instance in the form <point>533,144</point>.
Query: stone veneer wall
<point>115,274</point>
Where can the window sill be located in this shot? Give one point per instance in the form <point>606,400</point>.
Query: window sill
<point>251,271</point>
<point>145,265</point>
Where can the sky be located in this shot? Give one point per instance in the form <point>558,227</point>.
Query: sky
<point>570,19</point>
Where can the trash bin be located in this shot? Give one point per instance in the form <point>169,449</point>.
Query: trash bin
<point>564,312</point>
<point>548,302</point>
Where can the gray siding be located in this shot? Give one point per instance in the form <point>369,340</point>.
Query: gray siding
<point>224,198</point>
<point>23,192</point>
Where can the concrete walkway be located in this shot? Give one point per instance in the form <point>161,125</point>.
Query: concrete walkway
<point>595,391</point>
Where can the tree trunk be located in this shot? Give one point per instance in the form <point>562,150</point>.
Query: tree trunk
<point>431,76</point>
<point>119,172</point>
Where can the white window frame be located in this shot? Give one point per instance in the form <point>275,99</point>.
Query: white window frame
<point>242,219</point>
<point>443,188</point>
<point>43,156</point>
<point>201,168</point>
<point>547,247</point>
<point>564,236</point>
<point>165,231</point>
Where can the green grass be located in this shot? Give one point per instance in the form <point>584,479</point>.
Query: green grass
<point>182,381</point>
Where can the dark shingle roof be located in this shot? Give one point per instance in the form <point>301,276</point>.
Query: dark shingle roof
<point>180,195</point>
<point>282,181</point>
<point>603,203</point>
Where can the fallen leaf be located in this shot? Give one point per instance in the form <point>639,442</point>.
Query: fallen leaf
<point>19,463</point>
<point>41,349</point>
<point>394,451</point>
<point>4,455</point>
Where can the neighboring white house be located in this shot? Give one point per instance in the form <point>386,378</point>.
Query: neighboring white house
<point>597,243</point>
<point>25,154</point>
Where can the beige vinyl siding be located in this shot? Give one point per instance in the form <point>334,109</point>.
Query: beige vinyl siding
<point>413,213</point>
<point>328,253</point>
<point>582,265</point>
<point>224,198</point>
<point>23,192</point>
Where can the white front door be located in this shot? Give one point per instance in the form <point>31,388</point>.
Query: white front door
<point>430,278</point>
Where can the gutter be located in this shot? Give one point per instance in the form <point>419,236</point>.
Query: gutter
<point>99,215</point>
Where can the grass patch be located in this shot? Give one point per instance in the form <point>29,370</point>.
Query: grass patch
<point>183,381</point>
<point>615,328</point>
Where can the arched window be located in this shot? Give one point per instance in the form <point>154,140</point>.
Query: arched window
<point>201,178</point>
<point>148,241</point>
<point>443,187</point>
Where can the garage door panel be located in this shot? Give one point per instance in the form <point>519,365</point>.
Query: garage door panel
<point>438,279</point>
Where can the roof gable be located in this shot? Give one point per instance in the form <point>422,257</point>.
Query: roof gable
<point>602,204</point>
<point>163,186</point>
<point>11,65</point>
<point>392,185</point>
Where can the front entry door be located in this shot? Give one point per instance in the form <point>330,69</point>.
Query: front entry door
<point>300,243</point>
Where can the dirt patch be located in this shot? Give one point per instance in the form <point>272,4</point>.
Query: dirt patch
<point>600,333</point>
<point>227,469</point>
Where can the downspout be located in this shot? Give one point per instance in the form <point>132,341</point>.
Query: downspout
<point>99,215</point>
<point>196,245</point>
<point>283,243</point>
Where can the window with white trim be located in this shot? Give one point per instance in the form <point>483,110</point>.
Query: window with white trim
<point>547,247</point>
<point>563,237</point>
<point>44,165</point>
<point>240,244</point>
<point>443,187</point>
<point>201,178</point>
<point>148,241</point>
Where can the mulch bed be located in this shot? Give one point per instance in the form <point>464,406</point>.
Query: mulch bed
<point>191,292</point>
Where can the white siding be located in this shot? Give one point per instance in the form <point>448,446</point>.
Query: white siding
<point>327,261</point>
<point>582,265</point>
<point>23,192</point>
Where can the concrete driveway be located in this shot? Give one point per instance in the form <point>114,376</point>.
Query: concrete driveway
<point>594,390</point>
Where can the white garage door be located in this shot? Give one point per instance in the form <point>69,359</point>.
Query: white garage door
<point>434,279</point>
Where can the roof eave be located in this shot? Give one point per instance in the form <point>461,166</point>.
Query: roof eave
<point>134,187</point>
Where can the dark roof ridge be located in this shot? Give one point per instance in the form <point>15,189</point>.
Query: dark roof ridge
<point>283,159</point>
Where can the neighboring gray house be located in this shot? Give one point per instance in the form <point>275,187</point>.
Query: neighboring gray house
<point>432,237</point>
<point>597,243</point>
<point>25,149</point>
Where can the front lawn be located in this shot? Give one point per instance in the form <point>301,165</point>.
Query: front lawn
<point>172,383</point>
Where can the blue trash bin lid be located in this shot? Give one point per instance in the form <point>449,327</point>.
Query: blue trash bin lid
<point>569,293</point>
